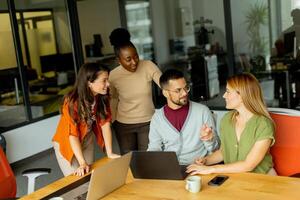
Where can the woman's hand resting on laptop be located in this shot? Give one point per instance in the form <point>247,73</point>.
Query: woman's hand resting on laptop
<point>113,155</point>
<point>82,170</point>
<point>199,169</point>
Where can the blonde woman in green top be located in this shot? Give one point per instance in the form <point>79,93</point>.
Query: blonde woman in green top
<point>247,132</point>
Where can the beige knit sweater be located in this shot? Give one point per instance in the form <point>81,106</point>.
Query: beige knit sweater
<point>131,92</point>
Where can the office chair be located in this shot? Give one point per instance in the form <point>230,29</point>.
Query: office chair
<point>284,111</point>
<point>8,185</point>
<point>286,150</point>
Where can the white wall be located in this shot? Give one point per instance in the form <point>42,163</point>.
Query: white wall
<point>98,17</point>
<point>31,139</point>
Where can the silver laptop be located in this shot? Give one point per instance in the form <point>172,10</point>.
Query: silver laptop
<point>108,177</point>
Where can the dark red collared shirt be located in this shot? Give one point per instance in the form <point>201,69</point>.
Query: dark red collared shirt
<point>176,117</point>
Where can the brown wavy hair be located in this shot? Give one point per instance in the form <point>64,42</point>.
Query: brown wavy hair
<point>81,97</point>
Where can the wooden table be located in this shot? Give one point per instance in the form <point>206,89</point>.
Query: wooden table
<point>238,186</point>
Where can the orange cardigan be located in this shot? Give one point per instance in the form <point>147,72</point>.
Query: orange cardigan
<point>67,127</point>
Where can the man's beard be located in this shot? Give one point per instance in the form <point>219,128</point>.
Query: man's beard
<point>180,102</point>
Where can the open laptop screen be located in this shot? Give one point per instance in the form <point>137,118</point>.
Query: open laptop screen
<point>156,165</point>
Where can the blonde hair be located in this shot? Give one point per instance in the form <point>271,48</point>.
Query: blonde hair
<point>250,91</point>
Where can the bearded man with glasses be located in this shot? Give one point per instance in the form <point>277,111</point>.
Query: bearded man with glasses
<point>182,126</point>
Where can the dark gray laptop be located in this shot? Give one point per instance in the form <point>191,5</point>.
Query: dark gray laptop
<point>156,165</point>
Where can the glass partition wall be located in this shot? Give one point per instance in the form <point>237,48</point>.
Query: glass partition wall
<point>47,60</point>
<point>12,109</point>
<point>139,25</point>
<point>267,45</point>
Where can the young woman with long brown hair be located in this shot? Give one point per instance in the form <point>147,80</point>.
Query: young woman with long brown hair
<point>85,115</point>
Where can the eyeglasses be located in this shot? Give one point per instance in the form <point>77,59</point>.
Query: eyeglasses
<point>180,90</point>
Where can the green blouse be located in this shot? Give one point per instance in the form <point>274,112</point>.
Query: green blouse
<point>257,128</point>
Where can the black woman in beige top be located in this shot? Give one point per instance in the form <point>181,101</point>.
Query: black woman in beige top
<point>131,93</point>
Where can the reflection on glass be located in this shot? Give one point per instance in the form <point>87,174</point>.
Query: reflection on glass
<point>139,26</point>
<point>39,39</point>
<point>265,35</point>
<point>47,53</point>
<point>11,107</point>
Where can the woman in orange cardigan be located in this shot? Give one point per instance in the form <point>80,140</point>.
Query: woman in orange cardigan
<point>85,115</point>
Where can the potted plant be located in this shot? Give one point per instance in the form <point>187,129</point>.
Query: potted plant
<point>256,18</point>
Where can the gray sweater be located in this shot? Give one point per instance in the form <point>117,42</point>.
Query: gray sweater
<point>186,143</point>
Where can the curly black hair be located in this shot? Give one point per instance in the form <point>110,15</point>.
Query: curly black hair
<point>120,38</point>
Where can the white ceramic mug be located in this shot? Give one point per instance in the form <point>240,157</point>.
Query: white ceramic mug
<point>56,198</point>
<point>193,184</point>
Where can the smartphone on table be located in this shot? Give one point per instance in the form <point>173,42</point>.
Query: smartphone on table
<point>218,180</point>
